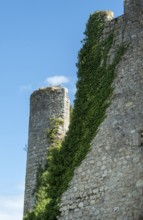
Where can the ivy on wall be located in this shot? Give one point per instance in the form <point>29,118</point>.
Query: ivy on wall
<point>94,93</point>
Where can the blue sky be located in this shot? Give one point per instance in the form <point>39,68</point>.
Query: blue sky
<point>39,43</point>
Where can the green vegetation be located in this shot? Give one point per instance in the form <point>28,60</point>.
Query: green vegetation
<point>94,93</point>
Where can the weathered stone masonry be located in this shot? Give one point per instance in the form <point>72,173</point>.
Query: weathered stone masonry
<point>108,185</point>
<point>51,102</point>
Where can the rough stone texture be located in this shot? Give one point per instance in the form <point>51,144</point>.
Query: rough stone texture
<point>108,185</point>
<point>47,103</point>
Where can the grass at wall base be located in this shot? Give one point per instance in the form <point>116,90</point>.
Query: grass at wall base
<point>93,97</point>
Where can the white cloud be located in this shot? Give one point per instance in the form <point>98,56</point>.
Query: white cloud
<point>11,207</point>
<point>56,80</point>
<point>26,88</point>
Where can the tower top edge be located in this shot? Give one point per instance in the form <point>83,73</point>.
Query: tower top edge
<point>49,89</point>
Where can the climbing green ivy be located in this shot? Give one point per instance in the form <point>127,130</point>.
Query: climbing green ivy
<point>42,199</point>
<point>94,94</point>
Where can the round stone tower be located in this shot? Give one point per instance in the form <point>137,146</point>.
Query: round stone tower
<point>50,102</point>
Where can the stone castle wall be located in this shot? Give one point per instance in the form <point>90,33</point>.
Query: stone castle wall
<point>51,102</point>
<point>108,185</point>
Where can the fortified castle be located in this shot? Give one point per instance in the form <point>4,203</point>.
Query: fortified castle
<point>102,169</point>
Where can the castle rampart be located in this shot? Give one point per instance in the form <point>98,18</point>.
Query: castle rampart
<point>108,185</point>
